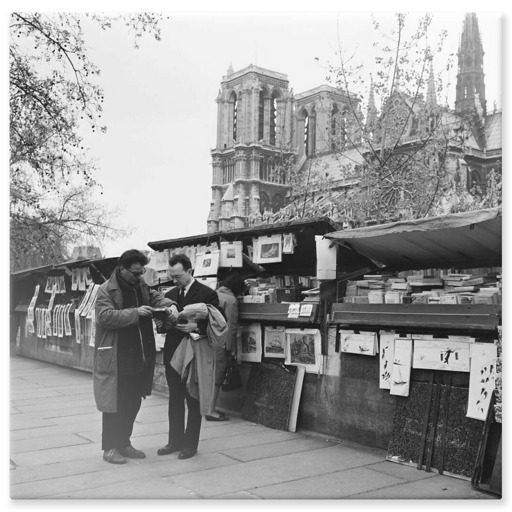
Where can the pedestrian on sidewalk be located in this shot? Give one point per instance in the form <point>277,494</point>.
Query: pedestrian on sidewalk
<point>187,292</point>
<point>230,288</point>
<point>125,352</point>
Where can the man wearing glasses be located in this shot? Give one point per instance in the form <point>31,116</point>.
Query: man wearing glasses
<point>125,352</point>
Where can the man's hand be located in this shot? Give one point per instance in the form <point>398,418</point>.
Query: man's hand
<point>172,313</point>
<point>145,311</point>
<point>187,328</point>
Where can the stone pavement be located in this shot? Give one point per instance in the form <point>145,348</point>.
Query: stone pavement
<point>55,452</point>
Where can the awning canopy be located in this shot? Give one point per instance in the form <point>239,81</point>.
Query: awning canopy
<point>460,240</point>
<point>318,225</point>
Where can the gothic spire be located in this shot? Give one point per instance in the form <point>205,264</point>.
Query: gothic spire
<point>470,76</point>
<point>371,116</point>
<point>431,89</point>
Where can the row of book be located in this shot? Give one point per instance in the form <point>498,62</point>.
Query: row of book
<point>281,289</point>
<point>447,287</point>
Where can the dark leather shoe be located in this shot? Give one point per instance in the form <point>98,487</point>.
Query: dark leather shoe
<point>132,453</point>
<point>186,454</point>
<point>113,456</point>
<point>167,449</point>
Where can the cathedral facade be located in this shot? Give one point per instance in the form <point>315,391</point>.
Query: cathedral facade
<point>261,124</point>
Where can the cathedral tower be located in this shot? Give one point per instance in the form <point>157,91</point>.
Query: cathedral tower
<point>254,132</point>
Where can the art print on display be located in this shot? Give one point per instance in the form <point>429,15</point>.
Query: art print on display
<point>288,243</point>
<point>275,342</point>
<point>401,371</point>
<point>303,347</point>
<point>67,323</point>
<point>250,343</point>
<point>231,254</point>
<point>268,249</point>
<point>387,348</point>
<point>441,354</point>
<point>362,343</point>
<point>207,264</point>
<point>482,377</point>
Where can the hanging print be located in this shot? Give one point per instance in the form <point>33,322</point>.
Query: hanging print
<point>441,354</point>
<point>401,370</point>
<point>275,342</point>
<point>482,377</point>
<point>250,343</point>
<point>303,347</point>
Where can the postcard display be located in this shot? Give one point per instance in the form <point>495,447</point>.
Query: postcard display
<point>66,311</point>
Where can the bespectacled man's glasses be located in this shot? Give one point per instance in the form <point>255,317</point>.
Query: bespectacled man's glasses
<point>137,274</point>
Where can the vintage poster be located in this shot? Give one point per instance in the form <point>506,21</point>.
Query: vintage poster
<point>30,311</point>
<point>268,249</point>
<point>231,254</point>
<point>401,370</point>
<point>326,253</point>
<point>67,323</point>
<point>303,347</point>
<point>274,342</point>
<point>55,320</point>
<point>250,343</point>
<point>482,378</point>
<point>82,286</point>
<point>441,354</point>
<point>207,264</point>
<point>88,277</point>
<point>60,322</point>
<point>387,350</point>
<point>289,243</point>
<point>363,343</point>
<point>294,310</point>
<point>74,279</point>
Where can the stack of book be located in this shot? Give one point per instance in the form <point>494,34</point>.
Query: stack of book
<point>432,286</point>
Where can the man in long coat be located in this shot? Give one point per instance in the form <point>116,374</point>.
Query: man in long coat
<point>125,352</point>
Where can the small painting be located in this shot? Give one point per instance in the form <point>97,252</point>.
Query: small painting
<point>275,341</point>
<point>250,349</point>
<point>303,347</point>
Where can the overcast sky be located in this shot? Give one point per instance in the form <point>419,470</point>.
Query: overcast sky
<point>154,162</point>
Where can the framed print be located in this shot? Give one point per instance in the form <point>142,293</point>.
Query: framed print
<point>289,243</point>
<point>441,354</point>
<point>74,279</point>
<point>362,343</point>
<point>250,343</point>
<point>303,347</point>
<point>401,370</point>
<point>268,249</point>
<point>207,264</point>
<point>482,377</point>
<point>67,322</point>
<point>275,342</point>
<point>386,356</point>
<point>231,254</point>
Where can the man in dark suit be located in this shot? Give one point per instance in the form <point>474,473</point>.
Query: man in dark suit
<point>188,291</point>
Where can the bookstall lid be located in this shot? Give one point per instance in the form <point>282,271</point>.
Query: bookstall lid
<point>462,240</point>
<point>317,225</point>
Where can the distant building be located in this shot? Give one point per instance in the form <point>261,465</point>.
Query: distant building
<point>261,124</point>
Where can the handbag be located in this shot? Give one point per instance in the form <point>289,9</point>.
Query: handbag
<point>232,379</point>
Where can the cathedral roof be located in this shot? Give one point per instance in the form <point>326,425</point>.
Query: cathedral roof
<point>493,124</point>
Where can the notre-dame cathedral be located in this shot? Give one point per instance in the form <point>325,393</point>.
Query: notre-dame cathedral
<point>260,121</point>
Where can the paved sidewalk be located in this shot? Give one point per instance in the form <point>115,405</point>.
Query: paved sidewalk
<point>55,452</point>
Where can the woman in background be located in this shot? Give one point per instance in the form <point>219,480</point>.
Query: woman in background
<point>228,291</point>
